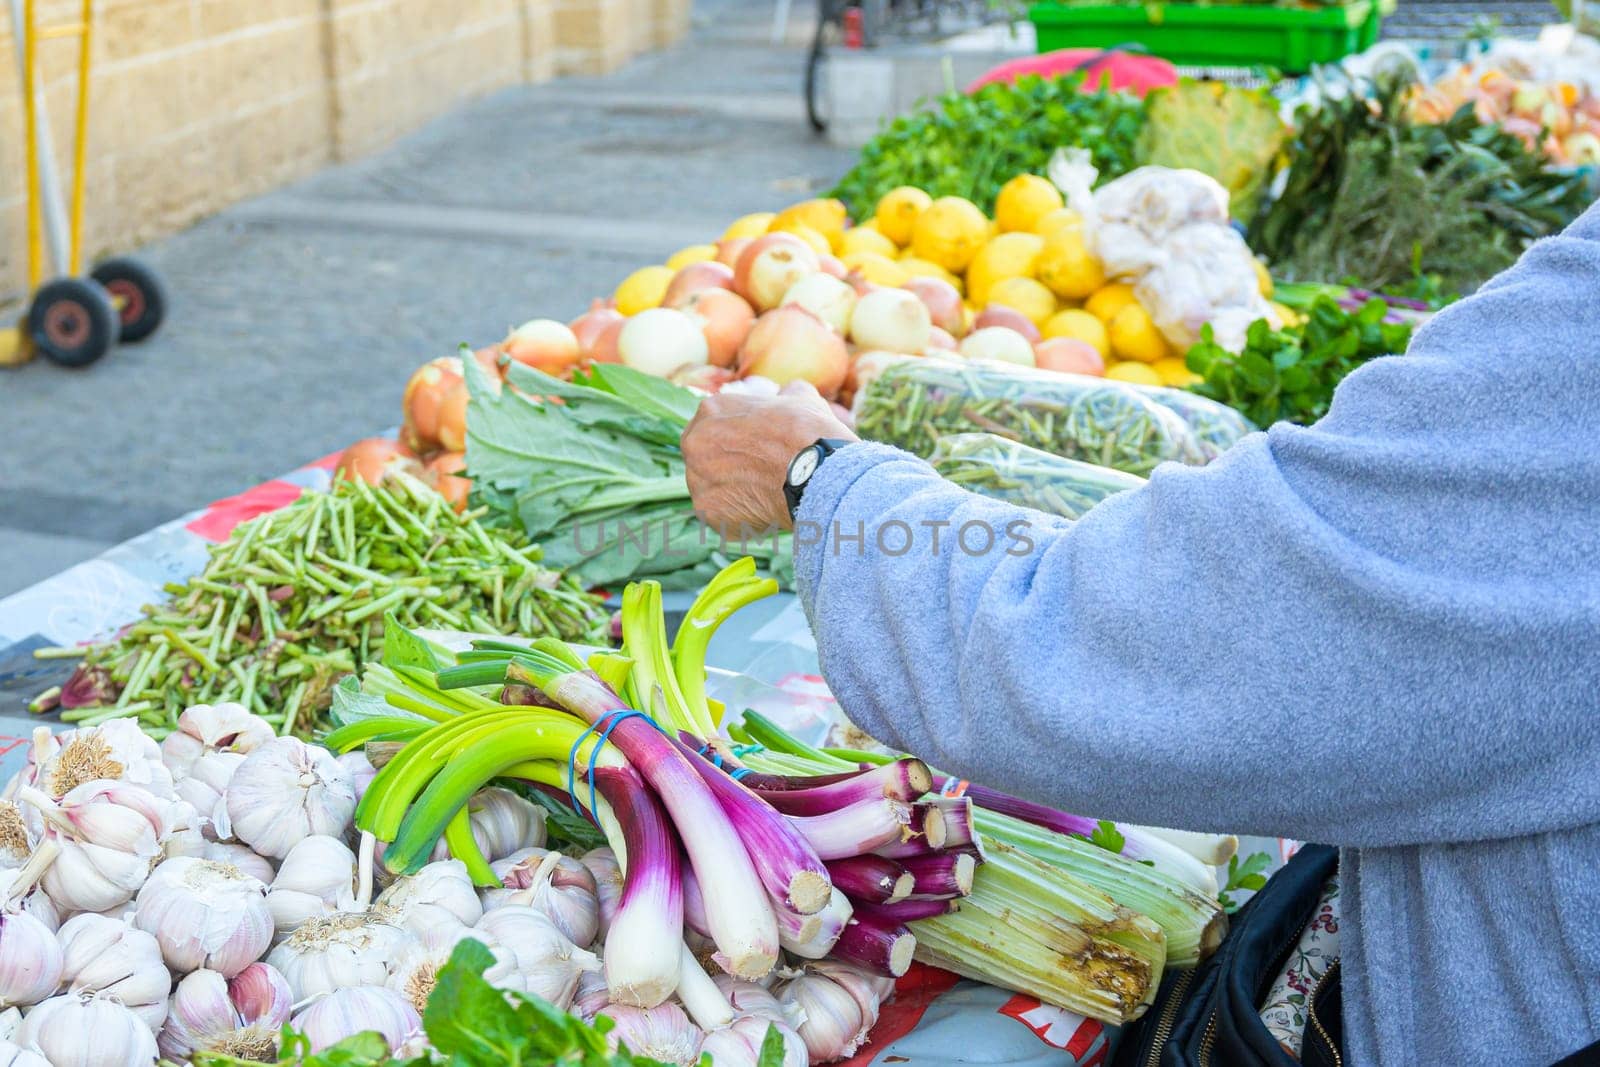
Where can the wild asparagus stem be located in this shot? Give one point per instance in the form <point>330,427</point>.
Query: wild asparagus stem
<point>295,599</point>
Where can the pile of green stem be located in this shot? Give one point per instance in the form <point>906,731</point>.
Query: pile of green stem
<point>295,599</point>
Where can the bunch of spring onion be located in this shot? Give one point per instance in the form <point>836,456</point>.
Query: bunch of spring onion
<point>836,865</point>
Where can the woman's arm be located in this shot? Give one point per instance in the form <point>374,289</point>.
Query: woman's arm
<point>1383,629</point>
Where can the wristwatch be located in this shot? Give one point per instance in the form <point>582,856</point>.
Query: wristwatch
<point>803,466</point>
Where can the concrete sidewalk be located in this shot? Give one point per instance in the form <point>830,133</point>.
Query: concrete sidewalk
<point>298,316</point>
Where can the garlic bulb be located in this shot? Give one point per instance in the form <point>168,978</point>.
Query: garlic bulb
<point>557,885</point>
<point>360,770</point>
<point>550,963</point>
<point>346,1012</point>
<point>16,842</point>
<point>20,889</point>
<point>205,784</point>
<point>316,878</point>
<point>105,836</point>
<point>349,949</point>
<point>239,1016</point>
<point>185,831</point>
<point>13,1056</point>
<point>439,894</point>
<point>205,729</point>
<point>739,1043</point>
<point>750,998</point>
<point>101,955</point>
<point>502,822</point>
<point>836,1008</point>
<point>88,1030</point>
<point>284,791</point>
<point>662,1033</point>
<point>117,750</point>
<point>591,997</point>
<point>10,1023</point>
<point>30,960</point>
<point>602,864</point>
<point>237,855</point>
<point>205,914</point>
<point>417,970</point>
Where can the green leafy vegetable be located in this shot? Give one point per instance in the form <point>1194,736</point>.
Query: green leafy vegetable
<point>1106,836</point>
<point>972,145</point>
<point>1232,134</point>
<point>1243,877</point>
<point>597,478</point>
<point>1290,374</point>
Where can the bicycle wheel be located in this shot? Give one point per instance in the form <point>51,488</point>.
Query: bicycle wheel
<point>827,32</point>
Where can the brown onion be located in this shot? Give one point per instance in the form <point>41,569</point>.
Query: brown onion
<point>729,251</point>
<point>940,338</point>
<point>944,303</point>
<point>453,418</point>
<point>443,473</point>
<point>701,376</point>
<point>791,344</point>
<point>369,458</point>
<point>423,399</point>
<point>769,266</point>
<point>725,320</point>
<point>544,344</point>
<point>588,327</point>
<point>859,283</point>
<point>605,343</point>
<point>1010,318</point>
<point>832,265</point>
<point>708,274</point>
<point>1070,356</point>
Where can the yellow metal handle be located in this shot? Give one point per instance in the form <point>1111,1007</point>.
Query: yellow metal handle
<point>80,148</point>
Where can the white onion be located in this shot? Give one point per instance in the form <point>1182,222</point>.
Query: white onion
<point>826,297</point>
<point>660,340</point>
<point>997,343</point>
<point>893,320</point>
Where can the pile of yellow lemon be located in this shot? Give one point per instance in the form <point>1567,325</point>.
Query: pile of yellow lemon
<point>1031,257</point>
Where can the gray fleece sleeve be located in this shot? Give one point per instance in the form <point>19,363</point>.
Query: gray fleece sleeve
<point>1382,629</point>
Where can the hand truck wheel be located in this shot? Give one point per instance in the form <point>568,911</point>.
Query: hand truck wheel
<point>139,294</point>
<point>72,321</point>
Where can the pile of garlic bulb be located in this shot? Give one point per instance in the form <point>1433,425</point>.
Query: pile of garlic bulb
<point>199,894</point>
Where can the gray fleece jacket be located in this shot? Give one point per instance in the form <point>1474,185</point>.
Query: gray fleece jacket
<point>1380,632</point>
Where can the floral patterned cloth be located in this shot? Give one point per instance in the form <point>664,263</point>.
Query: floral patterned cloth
<point>1284,1011</point>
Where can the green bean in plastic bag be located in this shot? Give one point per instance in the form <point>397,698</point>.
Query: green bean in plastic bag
<point>1027,477</point>
<point>912,402</point>
<point>1215,426</point>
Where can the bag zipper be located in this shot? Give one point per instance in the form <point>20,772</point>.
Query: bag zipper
<point>1311,1012</point>
<point>1168,1018</point>
<point>1208,1039</point>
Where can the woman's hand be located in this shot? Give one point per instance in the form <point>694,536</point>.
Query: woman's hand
<point>737,450</point>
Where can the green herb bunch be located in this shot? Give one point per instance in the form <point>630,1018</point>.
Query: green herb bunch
<point>970,146</point>
<point>470,1023</point>
<point>1372,195</point>
<point>1290,374</point>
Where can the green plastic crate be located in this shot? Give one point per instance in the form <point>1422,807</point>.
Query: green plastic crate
<point>1232,35</point>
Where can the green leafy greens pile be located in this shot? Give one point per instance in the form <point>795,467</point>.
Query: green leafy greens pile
<point>1290,374</point>
<point>970,146</point>
<point>591,470</point>
<point>1370,194</point>
<point>470,1023</point>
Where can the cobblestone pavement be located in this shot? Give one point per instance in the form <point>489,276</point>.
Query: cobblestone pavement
<point>298,316</point>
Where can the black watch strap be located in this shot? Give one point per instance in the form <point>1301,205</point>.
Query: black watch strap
<point>804,466</point>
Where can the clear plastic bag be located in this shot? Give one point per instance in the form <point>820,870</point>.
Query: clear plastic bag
<point>913,402</point>
<point>1215,426</point>
<point>992,465</point>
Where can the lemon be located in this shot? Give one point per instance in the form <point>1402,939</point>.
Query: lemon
<point>1023,201</point>
<point>1010,255</point>
<point>1174,372</point>
<point>643,289</point>
<point>1052,221</point>
<point>861,239</point>
<point>749,225</point>
<point>693,254</point>
<point>868,224</point>
<point>1263,276</point>
<point>1135,337</point>
<point>819,244</point>
<point>921,268</point>
<point>1106,301</point>
<point>1138,373</point>
<point>1024,295</point>
<point>825,216</point>
<point>875,268</point>
<point>1067,266</point>
<point>1079,325</point>
<point>898,211</point>
<point>949,232</point>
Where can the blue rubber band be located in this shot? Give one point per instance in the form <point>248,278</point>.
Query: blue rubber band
<point>745,750</point>
<point>738,773</point>
<point>616,717</point>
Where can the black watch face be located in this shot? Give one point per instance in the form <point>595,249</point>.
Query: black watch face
<point>803,466</point>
